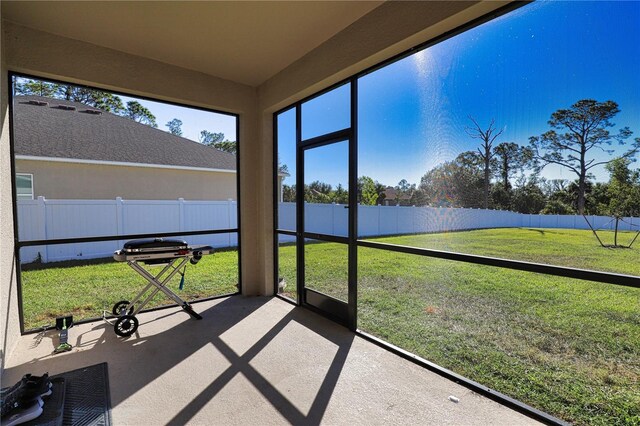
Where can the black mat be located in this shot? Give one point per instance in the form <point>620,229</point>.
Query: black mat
<point>86,399</point>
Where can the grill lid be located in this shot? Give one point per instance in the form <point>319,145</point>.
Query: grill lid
<point>154,245</point>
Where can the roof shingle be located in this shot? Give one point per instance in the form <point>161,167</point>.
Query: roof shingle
<point>51,131</point>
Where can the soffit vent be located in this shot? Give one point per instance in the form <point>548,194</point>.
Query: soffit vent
<point>38,103</point>
<point>67,107</point>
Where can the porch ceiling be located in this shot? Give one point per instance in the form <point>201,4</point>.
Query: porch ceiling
<point>246,42</point>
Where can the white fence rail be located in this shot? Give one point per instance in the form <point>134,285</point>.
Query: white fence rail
<point>374,221</point>
<point>43,219</point>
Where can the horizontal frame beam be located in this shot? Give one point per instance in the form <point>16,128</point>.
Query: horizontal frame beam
<point>329,138</point>
<point>326,237</point>
<point>31,243</point>
<point>335,308</point>
<point>561,271</point>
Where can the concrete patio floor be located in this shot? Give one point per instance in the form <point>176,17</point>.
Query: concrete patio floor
<point>255,361</point>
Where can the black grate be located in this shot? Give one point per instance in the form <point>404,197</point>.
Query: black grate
<point>87,401</point>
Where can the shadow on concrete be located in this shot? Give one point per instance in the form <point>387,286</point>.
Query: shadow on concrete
<point>9,313</point>
<point>170,347</point>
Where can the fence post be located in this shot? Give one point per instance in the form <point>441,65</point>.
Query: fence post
<point>120,219</point>
<point>180,214</point>
<point>413,217</point>
<point>42,211</point>
<point>119,216</point>
<point>229,216</point>
<point>333,218</point>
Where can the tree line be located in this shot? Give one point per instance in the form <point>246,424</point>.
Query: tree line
<point>370,192</point>
<point>109,102</point>
<point>505,175</point>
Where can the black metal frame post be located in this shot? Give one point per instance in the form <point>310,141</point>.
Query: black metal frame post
<point>238,209</point>
<point>276,201</point>
<point>299,209</point>
<point>352,320</point>
<point>276,212</point>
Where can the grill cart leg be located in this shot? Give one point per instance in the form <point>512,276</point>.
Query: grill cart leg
<point>130,308</point>
<point>127,323</point>
<point>153,282</point>
<point>188,309</point>
<point>161,285</point>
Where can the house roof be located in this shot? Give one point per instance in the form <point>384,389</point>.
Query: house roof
<point>391,193</point>
<point>47,130</point>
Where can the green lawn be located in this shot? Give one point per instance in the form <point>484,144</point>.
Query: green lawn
<point>86,288</point>
<point>565,346</point>
<point>561,247</point>
<point>568,347</point>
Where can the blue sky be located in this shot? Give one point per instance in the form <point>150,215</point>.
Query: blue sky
<point>516,69</point>
<point>193,120</point>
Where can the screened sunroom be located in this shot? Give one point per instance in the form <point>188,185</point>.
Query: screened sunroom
<point>371,212</point>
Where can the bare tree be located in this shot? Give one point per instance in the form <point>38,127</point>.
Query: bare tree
<point>487,137</point>
<point>510,156</point>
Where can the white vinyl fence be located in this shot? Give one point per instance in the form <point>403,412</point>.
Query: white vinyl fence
<point>43,219</point>
<point>374,221</point>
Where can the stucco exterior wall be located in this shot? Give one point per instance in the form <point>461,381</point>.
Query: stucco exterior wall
<point>57,180</point>
<point>9,320</point>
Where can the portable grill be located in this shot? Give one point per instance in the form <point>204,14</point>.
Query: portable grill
<point>173,255</point>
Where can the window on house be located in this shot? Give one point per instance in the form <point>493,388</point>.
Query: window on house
<point>24,186</point>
